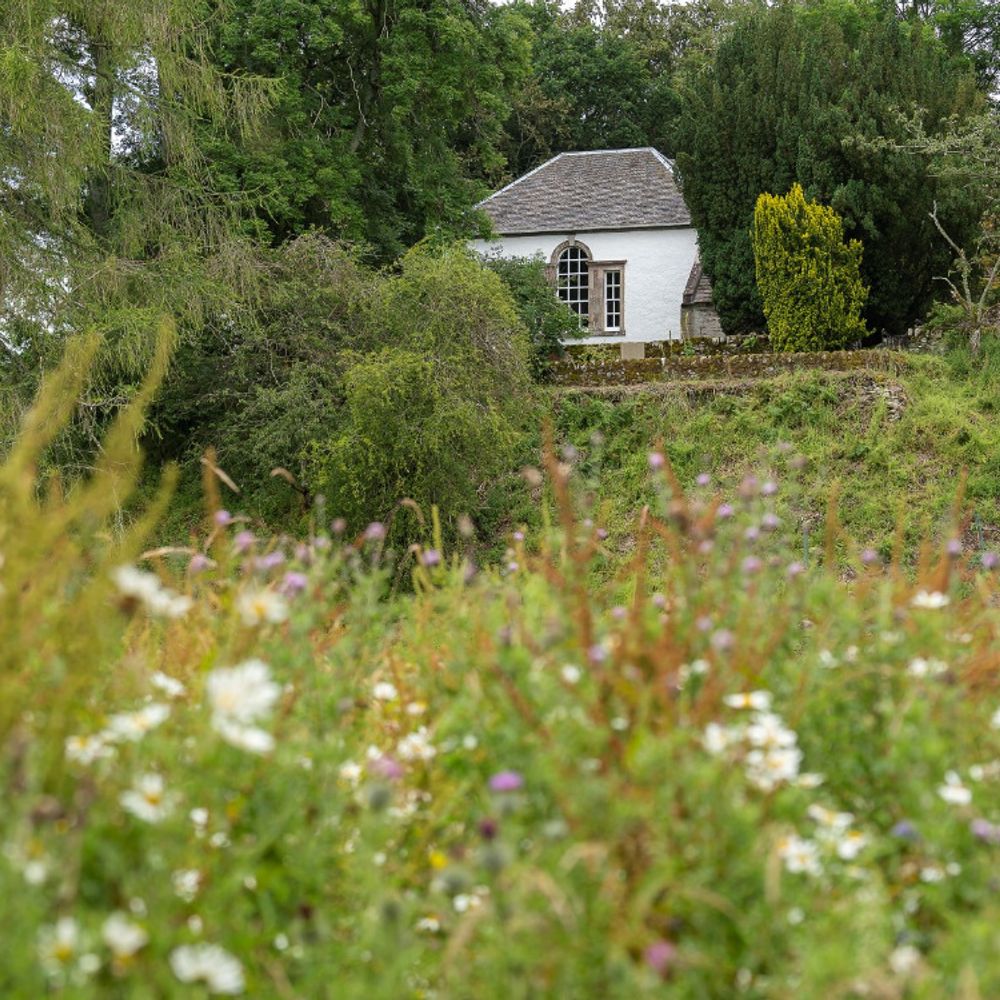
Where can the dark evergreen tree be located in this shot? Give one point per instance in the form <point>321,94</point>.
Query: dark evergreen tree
<point>796,94</point>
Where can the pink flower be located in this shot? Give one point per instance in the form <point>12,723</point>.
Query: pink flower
<point>506,781</point>
<point>243,540</point>
<point>660,956</point>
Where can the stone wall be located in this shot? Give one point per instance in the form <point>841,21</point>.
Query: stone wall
<point>670,367</point>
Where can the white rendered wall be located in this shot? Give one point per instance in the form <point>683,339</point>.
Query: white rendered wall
<point>657,265</point>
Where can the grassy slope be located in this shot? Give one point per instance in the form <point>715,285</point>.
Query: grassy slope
<point>898,446</point>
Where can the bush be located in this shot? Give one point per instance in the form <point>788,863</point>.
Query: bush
<point>808,277</point>
<point>548,320</point>
<point>406,433</point>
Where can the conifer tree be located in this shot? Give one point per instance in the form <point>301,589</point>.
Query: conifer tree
<point>808,276</point>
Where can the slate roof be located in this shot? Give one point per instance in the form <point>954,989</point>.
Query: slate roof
<point>698,290</point>
<point>600,189</point>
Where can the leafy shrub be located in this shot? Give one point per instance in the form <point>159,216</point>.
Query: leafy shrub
<point>548,320</point>
<point>405,433</point>
<point>808,277</point>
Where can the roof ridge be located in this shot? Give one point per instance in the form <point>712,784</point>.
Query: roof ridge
<point>523,177</point>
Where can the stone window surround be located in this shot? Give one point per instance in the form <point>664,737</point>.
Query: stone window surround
<point>596,287</point>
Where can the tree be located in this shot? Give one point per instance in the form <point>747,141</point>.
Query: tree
<point>795,94</point>
<point>808,276</point>
<point>389,121</point>
<point>108,218</point>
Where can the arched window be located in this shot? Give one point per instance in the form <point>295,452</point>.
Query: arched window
<point>573,280</point>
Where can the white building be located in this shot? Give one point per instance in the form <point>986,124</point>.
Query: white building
<point>616,236</point>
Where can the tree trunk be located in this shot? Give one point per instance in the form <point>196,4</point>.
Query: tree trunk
<point>98,201</point>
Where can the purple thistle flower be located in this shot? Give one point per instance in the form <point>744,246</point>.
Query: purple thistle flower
<point>869,557</point>
<point>769,488</point>
<point>905,830</point>
<point>512,566</point>
<point>751,565</point>
<point>703,479</point>
<point>656,460</point>
<point>660,955</point>
<point>293,583</point>
<point>751,534</point>
<point>954,547</point>
<point>243,540</point>
<point>985,831</point>
<point>597,653</point>
<point>659,601</point>
<point>770,521</point>
<point>488,828</point>
<point>705,546</point>
<point>990,560</point>
<point>387,767</point>
<point>703,623</point>
<point>618,612</point>
<point>506,781</point>
<point>269,561</point>
<point>518,536</point>
<point>375,532</point>
<point>338,525</point>
<point>795,569</point>
<point>722,640</point>
<point>222,518</point>
<point>750,487</point>
<point>602,533</point>
<point>431,557</point>
<point>199,561</point>
<point>725,510</point>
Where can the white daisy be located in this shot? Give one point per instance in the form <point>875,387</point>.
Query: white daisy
<point>186,883</point>
<point>132,726</point>
<point>718,739</point>
<point>571,673</point>
<point>87,749</point>
<point>123,937</point>
<point>253,739</point>
<point>919,667</point>
<point>758,700</point>
<point>384,691</point>
<point>953,791</point>
<point>416,746</point>
<point>769,731</point>
<point>932,600</point>
<point>242,694</point>
<point>768,768</point>
<point>800,855</point>
<point>210,964</point>
<point>257,607</point>
<point>850,844</point>
<point>168,685</point>
<point>148,799</point>
<point>58,945</point>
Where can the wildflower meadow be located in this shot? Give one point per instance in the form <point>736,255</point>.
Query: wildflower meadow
<point>711,765</point>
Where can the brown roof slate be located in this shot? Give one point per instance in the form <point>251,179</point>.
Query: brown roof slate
<point>601,189</point>
<point>698,290</point>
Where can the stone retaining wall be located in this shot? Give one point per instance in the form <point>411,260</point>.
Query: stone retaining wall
<point>613,371</point>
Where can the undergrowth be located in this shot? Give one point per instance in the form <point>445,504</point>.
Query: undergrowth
<point>704,770</point>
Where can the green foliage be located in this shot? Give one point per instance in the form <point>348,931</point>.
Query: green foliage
<point>808,277</point>
<point>388,121</point>
<point>311,387</point>
<point>702,776</point>
<point>548,320</point>
<point>796,93</point>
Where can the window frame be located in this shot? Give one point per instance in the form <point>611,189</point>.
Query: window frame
<point>595,322</point>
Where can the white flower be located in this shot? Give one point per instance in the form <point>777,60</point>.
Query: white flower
<point>827,659</point>
<point>850,844</point>
<point>132,726</point>
<point>350,772</point>
<point>35,871</point>
<point>242,694</point>
<point>953,791</point>
<point>718,739</point>
<point>384,691</point>
<point>571,674</point>
<point>933,599</point>
<point>465,901</point>
<point>416,746</point>
<point>147,589</point>
<point>168,685</point>
<point>250,738</point>
<point>800,855</point>
<point>58,944</point>
<point>919,667</point>
<point>904,960</point>
<point>87,749</point>
<point>147,799</point>
<point>416,708</point>
<point>835,822</point>
<point>768,731</point>
<point>809,779</point>
<point>768,768</point>
<point>995,721</point>
<point>186,883</point>
<point>757,700</point>
<point>429,925</point>
<point>123,936</point>
<point>208,963</point>
<point>259,606</point>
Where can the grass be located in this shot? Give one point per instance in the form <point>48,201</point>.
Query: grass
<point>701,770</point>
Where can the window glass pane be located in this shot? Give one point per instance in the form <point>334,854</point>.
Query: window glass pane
<point>573,282</point>
<point>612,300</point>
